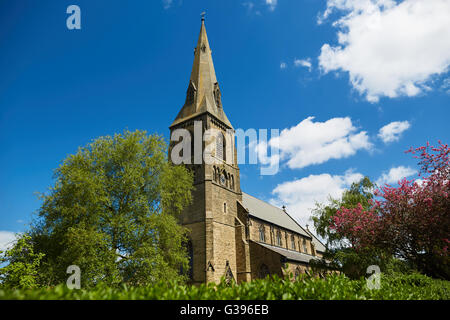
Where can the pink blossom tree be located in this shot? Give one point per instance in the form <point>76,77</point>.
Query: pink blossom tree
<point>411,221</point>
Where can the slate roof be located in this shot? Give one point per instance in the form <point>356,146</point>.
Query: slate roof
<point>267,212</point>
<point>289,254</point>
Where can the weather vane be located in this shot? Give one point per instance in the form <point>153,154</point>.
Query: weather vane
<point>203,15</point>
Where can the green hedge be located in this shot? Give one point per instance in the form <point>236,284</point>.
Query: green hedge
<point>333,287</point>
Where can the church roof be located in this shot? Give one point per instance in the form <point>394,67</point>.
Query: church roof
<point>289,254</point>
<point>267,212</point>
<point>203,94</point>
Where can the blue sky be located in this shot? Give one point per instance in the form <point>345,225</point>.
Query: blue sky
<point>331,74</point>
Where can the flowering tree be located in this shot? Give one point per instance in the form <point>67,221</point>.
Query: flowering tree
<point>411,221</point>
<point>340,253</point>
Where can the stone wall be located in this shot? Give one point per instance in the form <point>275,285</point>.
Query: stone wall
<point>260,255</point>
<point>293,268</point>
<point>271,236</point>
<point>197,236</point>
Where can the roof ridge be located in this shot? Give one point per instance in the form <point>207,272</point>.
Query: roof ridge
<point>295,221</point>
<point>263,201</point>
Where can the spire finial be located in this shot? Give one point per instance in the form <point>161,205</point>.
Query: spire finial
<point>203,15</point>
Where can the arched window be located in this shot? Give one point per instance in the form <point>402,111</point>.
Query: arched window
<point>191,92</point>
<point>305,247</point>
<point>220,146</point>
<point>279,238</point>
<point>232,182</point>
<point>223,178</point>
<point>217,174</point>
<point>292,242</point>
<point>225,207</point>
<point>262,233</point>
<point>297,273</point>
<point>229,278</point>
<point>263,271</point>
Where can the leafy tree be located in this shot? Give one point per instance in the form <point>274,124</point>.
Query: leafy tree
<point>412,220</point>
<point>360,192</point>
<point>22,270</point>
<point>341,253</point>
<point>113,211</point>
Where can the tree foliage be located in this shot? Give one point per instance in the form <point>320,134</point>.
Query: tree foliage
<point>22,270</point>
<point>412,220</point>
<point>113,211</point>
<point>360,192</point>
<point>340,253</point>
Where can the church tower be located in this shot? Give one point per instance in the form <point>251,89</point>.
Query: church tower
<point>216,233</point>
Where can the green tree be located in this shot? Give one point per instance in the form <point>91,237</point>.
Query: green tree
<point>353,262</point>
<point>359,192</point>
<point>22,269</point>
<point>113,211</point>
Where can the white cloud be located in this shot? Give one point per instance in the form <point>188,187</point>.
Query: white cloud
<point>310,142</point>
<point>446,85</point>
<point>167,3</point>
<point>283,65</point>
<point>395,174</point>
<point>272,4</point>
<point>7,239</point>
<point>299,196</point>
<point>392,131</point>
<point>389,49</point>
<point>303,63</point>
<point>250,5</point>
<point>261,149</point>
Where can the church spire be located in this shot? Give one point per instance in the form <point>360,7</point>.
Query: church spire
<point>203,94</point>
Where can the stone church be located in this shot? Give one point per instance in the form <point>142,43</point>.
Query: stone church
<point>232,234</point>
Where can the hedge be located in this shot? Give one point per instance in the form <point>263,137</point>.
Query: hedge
<point>397,287</point>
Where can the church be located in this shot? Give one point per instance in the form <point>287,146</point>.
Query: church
<point>232,234</point>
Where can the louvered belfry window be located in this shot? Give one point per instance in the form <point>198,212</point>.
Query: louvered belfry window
<point>220,146</point>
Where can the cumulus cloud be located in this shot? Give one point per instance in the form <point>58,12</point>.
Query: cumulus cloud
<point>167,3</point>
<point>310,142</point>
<point>300,196</point>
<point>392,131</point>
<point>389,48</point>
<point>395,174</point>
<point>303,63</point>
<point>283,65</point>
<point>272,4</point>
<point>7,239</point>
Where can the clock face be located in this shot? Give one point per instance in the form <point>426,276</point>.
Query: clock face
<point>222,179</point>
